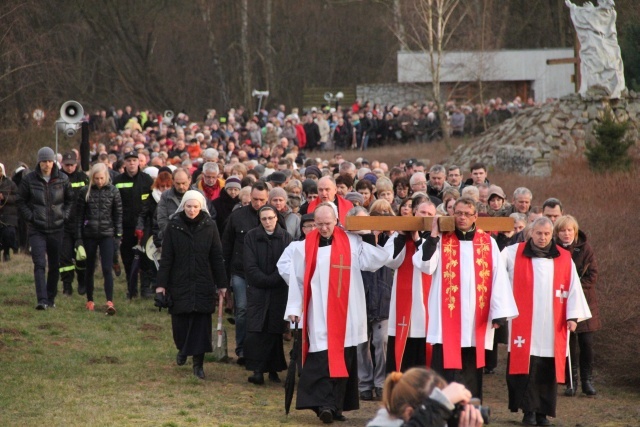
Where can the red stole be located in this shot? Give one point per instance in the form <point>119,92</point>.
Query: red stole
<point>521,325</point>
<point>451,313</point>
<point>404,302</point>
<point>337,299</point>
<point>343,207</point>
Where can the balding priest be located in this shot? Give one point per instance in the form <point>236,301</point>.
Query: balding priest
<point>326,291</point>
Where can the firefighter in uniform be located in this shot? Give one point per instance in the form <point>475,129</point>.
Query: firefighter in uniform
<point>68,262</point>
<point>135,190</point>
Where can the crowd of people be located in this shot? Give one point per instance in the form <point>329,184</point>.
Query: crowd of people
<point>239,211</point>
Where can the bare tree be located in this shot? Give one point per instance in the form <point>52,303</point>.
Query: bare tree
<point>205,6</point>
<point>246,56</point>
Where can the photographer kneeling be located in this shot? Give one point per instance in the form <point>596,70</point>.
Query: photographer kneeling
<point>421,398</point>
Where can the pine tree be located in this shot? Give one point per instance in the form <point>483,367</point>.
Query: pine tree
<point>610,151</point>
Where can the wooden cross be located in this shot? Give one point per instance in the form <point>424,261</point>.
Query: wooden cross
<point>341,267</point>
<point>562,294</point>
<point>415,223</point>
<point>519,342</point>
<point>577,77</point>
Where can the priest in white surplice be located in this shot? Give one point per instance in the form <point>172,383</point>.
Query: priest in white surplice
<point>550,299</point>
<point>470,296</point>
<point>407,345</point>
<point>326,289</point>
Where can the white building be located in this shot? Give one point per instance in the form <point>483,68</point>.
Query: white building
<point>526,70</point>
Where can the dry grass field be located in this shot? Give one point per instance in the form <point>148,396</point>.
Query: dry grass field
<point>69,367</point>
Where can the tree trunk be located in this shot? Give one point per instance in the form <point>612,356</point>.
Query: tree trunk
<point>246,57</point>
<point>397,19</point>
<point>223,91</point>
<point>268,51</point>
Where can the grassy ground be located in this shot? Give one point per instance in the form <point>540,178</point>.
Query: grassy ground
<point>70,367</point>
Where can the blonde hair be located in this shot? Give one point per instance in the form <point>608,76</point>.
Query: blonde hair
<point>566,221</point>
<point>98,167</point>
<point>409,389</point>
<point>381,206</point>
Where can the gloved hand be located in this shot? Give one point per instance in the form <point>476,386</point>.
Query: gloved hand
<point>81,254</point>
<point>139,234</point>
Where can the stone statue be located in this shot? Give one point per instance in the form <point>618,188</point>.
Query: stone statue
<point>600,59</point>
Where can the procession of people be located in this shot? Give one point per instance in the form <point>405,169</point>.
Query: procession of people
<point>257,222</point>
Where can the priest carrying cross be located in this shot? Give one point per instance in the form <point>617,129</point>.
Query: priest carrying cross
<point>550,299</point>
<point>326,289</point>
<point>470,295</point>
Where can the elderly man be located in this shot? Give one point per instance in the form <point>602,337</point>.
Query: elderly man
<point>45,201</point>
<point>170,200</point>
<point>418,183</point>
<point>437,182</point>
<point>210,183</point>
<point>521,202</point>
<point>454,178</point>
<point>327,193</point>
<point>408,316</point>
<point>550,299</point>
<point>325,286</point>
<point>469,294</point>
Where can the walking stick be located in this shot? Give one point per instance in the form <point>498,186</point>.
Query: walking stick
<point>569,360</point>
<point>220,308</point>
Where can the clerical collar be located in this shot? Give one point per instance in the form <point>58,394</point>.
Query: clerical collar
<point>324,241</point>
<point>466,235</point>
<point>533,251</point>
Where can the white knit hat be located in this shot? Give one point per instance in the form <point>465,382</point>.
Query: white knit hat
<point>193,195</point>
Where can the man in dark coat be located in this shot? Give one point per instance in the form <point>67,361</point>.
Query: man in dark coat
<point>266,297</point>
<point>312,132</point>
<point>44,201</point>
<point>135,189</point>
<point>8,214</point>
<point>68,263</point>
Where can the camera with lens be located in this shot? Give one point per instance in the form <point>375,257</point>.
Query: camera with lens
<point>485,411</point>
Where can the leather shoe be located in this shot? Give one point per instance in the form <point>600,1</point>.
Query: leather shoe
<point>240,361</point>
<point>198,371</point>
<point>181,359</point>
<point>379,392</point>
<point>339,417</point>
<point>41,306</point>
<point>257,378</point>
<point>274,378</point>
<point>529,419</point>
<point>541,420</point>
<point>366,395</point>
<point>326,415</point>
<point>588,389</point>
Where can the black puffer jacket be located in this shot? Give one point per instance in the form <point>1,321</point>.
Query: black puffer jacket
<point>8,208</point>
<point>266,289</point>
<point>192,267</point>
<point>45,206</point>
<point>224,206</point>
<point>101,215</point>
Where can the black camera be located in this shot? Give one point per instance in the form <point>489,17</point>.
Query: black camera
<point>485,411</point>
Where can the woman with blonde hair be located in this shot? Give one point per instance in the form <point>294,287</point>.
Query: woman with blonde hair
<point>568,235</point>
<point>420,397</point>
<point>99,225</point>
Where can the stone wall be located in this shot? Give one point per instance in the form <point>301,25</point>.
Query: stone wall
<point>400,94</point>
<point>530,142</point>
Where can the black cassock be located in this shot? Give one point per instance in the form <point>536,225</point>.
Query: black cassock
<point>536,391</point>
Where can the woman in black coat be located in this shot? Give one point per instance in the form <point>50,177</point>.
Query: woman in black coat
<point>8,214</point>
<point>192,277</point>
<point>99,225</point>
<point>266,297</point>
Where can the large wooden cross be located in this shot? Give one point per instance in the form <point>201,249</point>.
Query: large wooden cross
<point>577,77</point>
<point>414,223</point>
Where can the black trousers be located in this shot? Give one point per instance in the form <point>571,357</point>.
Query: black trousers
<point>469,375</point>
<point>581,350</point>
<point>45,248</point>
<point>69,266</point>
<point>106,254</point>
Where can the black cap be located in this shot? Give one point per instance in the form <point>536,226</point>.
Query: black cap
<point>69,158</point>
<point>277,177</point>
<point>131,155</point>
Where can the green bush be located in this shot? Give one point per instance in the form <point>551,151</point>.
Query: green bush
<point>610,151</point>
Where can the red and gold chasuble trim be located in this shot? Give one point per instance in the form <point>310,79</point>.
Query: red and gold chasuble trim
<point>521,325</point>
<point>337,298</point>
<point>451,312</point>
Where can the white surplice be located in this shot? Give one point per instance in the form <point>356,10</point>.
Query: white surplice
<point>502,304</point>
<point>291,265</point>
<point>417,327</point>
<point>542,330</point>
